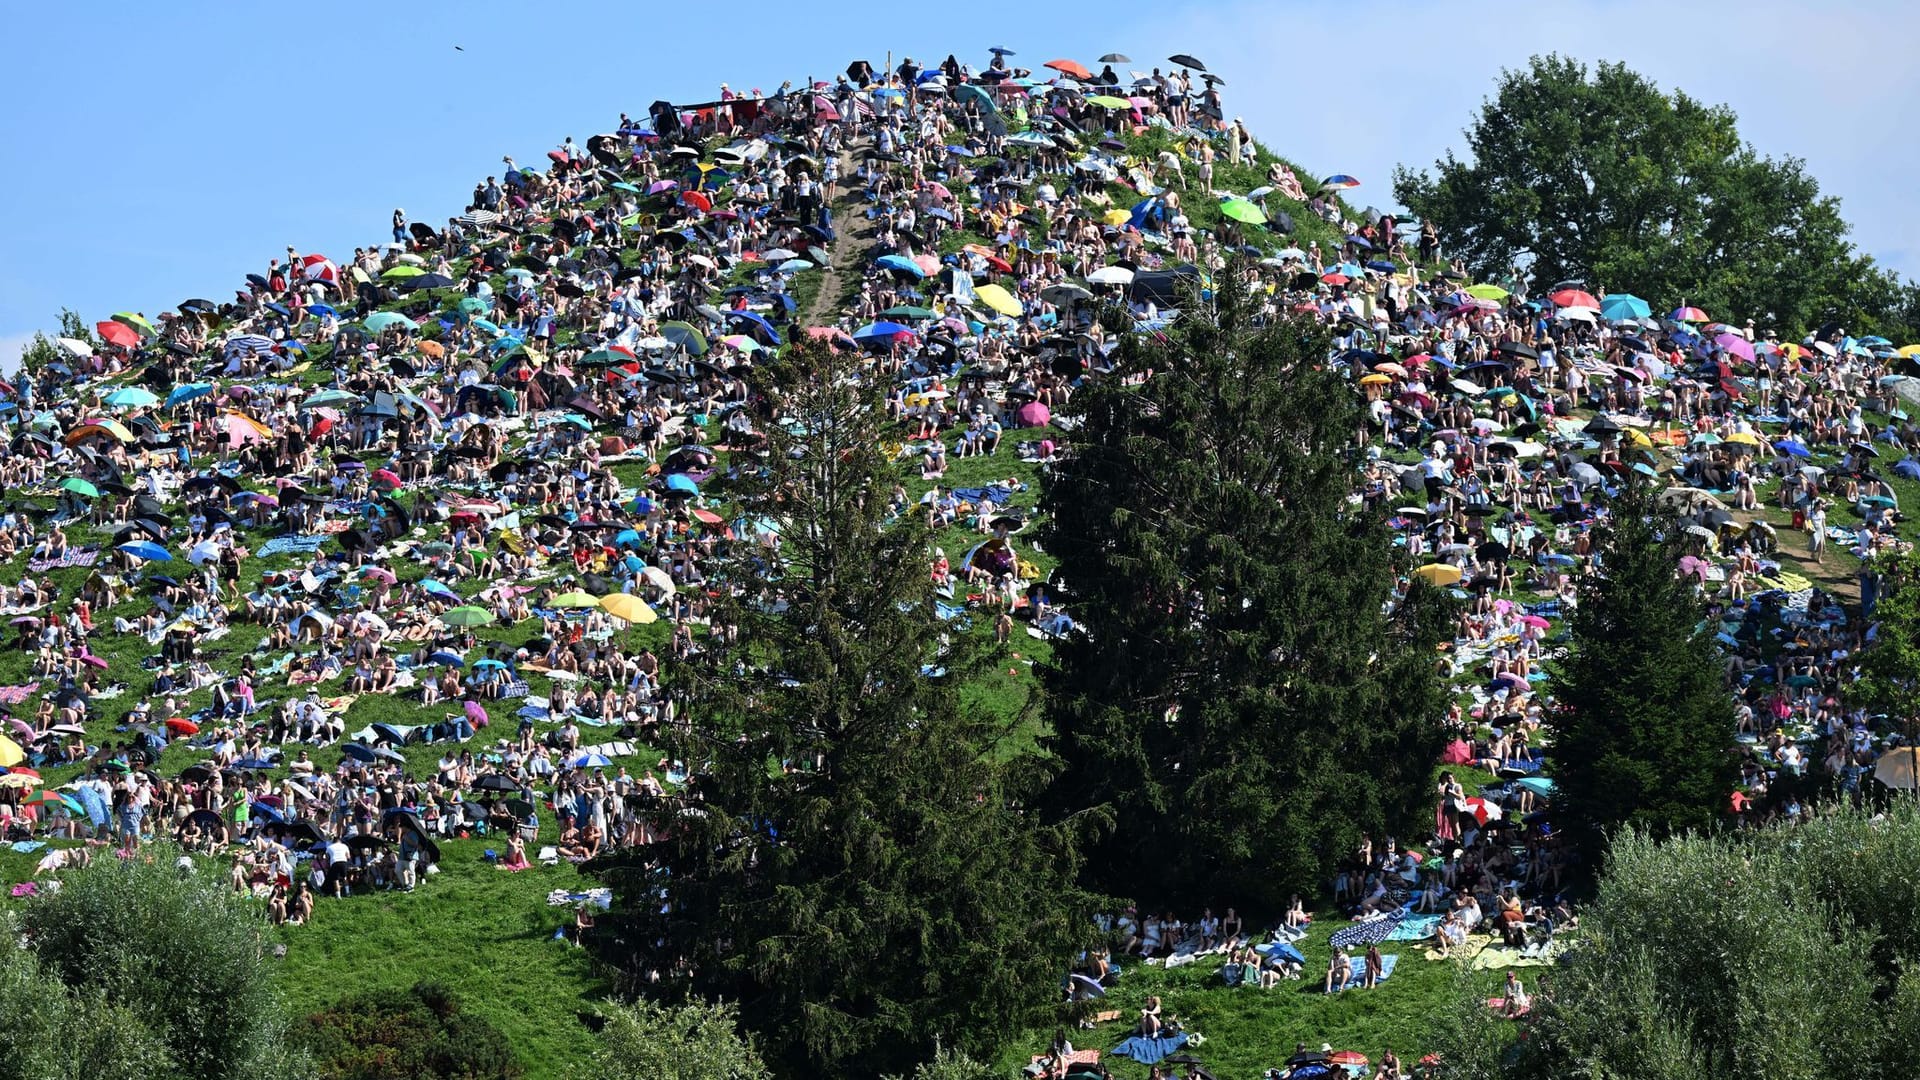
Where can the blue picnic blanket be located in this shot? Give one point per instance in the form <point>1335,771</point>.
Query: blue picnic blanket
<point>1367,933</point>
<point>1149,1051</point>
<point>1414,928</point>
<point>301,544</point>
<point>998,494</point>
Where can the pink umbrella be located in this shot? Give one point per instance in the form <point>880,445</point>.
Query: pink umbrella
<point>1518,682</point>
<point>1694,566</point>
<point>1535,621</point>
<point>1737,345</point>
<point>477,713</point>
<point>1457,753</point>
<point>239,391</point>
<point>940,189</point>
<point>379,574</point>
<point>22,726</point>
<point>387,477</point>
<point>1033,414</point>
<point>94,661</point>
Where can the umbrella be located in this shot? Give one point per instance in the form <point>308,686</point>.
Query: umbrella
<point>1899,768</point>
<point>466,616</point>
<point>576,599</point>
<point>1621,307</point>
<point>589,761</point>
<point>1070,67</point>
<point>1241,210</point>
<point>1186,60</point>
<point>1439,574</point>
<point>1683,313</point>
<point>628,607</point>
<point>1000,300</point>
<point>79,487</point>
<point>146,549</point>
<point>130,397</point>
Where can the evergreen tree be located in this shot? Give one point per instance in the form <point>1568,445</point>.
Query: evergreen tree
<point>1644,723</point>
<point>1244,697</point>
<point>849,865</point>
<point>1889,681</point>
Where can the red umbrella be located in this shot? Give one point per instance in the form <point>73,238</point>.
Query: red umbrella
<point>182,726</point>
<point>1457,753</point>
<point>1070,67</point>
<point>1335,279</point>
<point>1347,1057</point>
<point>696,199</point>
<point>1482,810</point>
<point>1573,298</point>
<point>706,517</point>
<point>117,334</point>
<point>387,477</point>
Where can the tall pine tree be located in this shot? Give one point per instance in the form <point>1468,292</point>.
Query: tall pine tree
<point>1245,700</point>
<point>1644,724</point>
<point>849,865</point>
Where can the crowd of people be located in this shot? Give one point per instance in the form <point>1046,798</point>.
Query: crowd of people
<point>534,401</point>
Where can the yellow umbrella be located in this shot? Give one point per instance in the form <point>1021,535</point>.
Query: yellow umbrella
<point>1910,350</point>
<point>10,753</point>
<point>1375,379</point>
<point>629,607</point>
<point>1743,438</point>
<point>1438,574</point>
<point>999,299</point>
<point>1638,439</point>
<point>19,780</point>
<point>1487,292</point>
<point>1116,217</point>
<point>1899,768</point>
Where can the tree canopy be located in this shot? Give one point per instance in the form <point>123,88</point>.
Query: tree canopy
<point>1644,724</point>
<point>171,961</point>
<point>1602,176</point>
<point>1784,952</point>
<point>1243,696</point>
<point>698,1040</point>
<point>853,865</point>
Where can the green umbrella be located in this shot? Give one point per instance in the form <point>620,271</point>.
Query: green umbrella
<point>467,616</point>
<point>136,321</point>
<point>130,397</point>
<point>622,185</point>
<point>606,356</point>
<point>576,600</point>
<point>380,320</point>
<point>472,305</point>
<point>80,487</point>
<point>908,311</point>
<point>1107,101</point>
<point>1241,210</point>
<point>399,272</point>
<point>331,397</point>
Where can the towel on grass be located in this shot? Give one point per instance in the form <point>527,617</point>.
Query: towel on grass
<point>291,544</point>
<point>70,557</point>
<point>1414,927</point>
<point>1366,933</point>
<point>1357,967</point>
<point>1149,1051</point>
<point>1499,1005</point>
<point>1500,956</point>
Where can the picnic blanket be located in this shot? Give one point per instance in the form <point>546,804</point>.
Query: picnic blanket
<point>1357,968</point>
<point>70,557</point>
<point>1414,928</point>
<point>14,695</point>
<point>292,544</point>
<point>1498,957</point>
<point>1149,1051</point>
<point>1366,933</point>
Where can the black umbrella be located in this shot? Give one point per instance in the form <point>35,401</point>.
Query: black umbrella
<point>1115,58</point>
<point>1515,348</point>
<point>1185,60</point>
<point>428,281</point>
<point>495,782</point>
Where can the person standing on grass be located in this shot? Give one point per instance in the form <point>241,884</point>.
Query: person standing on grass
<point>1817,531</point>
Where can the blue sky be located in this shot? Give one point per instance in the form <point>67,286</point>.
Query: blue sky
<point>157,152</point>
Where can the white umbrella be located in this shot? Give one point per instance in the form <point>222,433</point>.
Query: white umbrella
<point>1111,275</point>
<point>659,579</point>
<point>75,346</point>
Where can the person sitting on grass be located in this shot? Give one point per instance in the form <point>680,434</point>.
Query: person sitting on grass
<point>1339,971</point>
<point>1376,967</point>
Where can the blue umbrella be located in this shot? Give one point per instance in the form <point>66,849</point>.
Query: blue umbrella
<point>682,482</point>
<point>188,392</point>
<point>488,664</point>
<point>880,330</point>
<point>1539,785</point>
<point>146,549</point>
<point>900,263</point>
<point>1793,448</point>
<point>589,761</point>
<point>357,751</point>
<point>1623,306</point>
<point>270,812</point>
<point>445,657</point>
<point>772,336</point>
